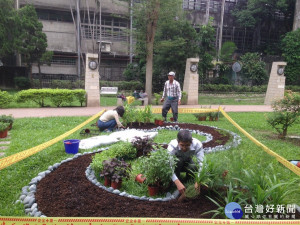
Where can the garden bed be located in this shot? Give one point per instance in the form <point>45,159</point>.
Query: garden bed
<point>66,191</point>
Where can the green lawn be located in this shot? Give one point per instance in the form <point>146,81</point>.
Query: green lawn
<point>204,99</point>
<point>30,132</point>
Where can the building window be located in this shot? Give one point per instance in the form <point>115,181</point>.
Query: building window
<point>192,4</point>
<point>64,60</point>
<point>54,15</point>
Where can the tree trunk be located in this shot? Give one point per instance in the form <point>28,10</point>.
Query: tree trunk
<point>151,28</point>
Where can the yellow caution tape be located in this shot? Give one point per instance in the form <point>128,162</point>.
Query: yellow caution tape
<point>130,221</point>
<point>7,161</point>
<point>190,110</point>
<point>279,158</point>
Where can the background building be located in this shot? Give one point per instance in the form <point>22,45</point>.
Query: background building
<point>62,18</point>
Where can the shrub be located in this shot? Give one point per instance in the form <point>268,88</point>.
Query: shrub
<point>123,150</point>
<point>22,82</point>
<point>158,167</point>
<point>115,169</point>
<point>36,95</point>
<point>5,99</point>
<point>62,84</point>
<point>3,126</point>
<point>80,95</point>
<point>57,96</point>
<point>286,113</point>
<point>6,119</point>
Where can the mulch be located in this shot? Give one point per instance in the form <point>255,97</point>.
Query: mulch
<point>66,192</point>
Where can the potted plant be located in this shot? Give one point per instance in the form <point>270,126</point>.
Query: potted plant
<point>7,119</point>
<point>200,116</point>
<point>158,169</point>
<point>214,116</point>
<point>3,129</point>
<point>114,170</point>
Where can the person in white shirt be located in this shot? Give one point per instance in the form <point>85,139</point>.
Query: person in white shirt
<point>184,148</point>
<point>172,91</point>
<point>110,119</point>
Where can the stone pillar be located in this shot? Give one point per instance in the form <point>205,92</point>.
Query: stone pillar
<point>92,80</point>
<point>191,81</point>
<point>276,83</point>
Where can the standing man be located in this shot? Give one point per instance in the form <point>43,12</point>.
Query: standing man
<point>173,93</point>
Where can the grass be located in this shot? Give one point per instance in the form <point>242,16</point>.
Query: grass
<point>204,99</point>
<point>29,132</point>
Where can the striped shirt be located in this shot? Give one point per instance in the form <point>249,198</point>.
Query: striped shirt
<point>172,90</point>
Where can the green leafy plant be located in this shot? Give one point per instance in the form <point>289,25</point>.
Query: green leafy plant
<point>158,167</point>
<point>123,150</point>
<point>143,146</point>
<point>116,170</point>
<point>5,99</point>
<point>286,113</point>
<point>231,195</point>
<point>201,116</point>
<point>3,126</point>
<point>22,82</point>
<point>7,119</point>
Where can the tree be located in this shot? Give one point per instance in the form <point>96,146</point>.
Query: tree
<point>263,15</point>
<point>253,69</point>
<point>286,113</point>
<point>7,28</point>
<point>31,42</point>
<point>45,59</point>
<point>207,52</point>
<point>291,53</point>
<point>175,40</point>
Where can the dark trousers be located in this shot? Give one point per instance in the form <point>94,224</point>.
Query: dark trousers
<point>109,125</point>
<point>173,104</point>
<point>185,166</point>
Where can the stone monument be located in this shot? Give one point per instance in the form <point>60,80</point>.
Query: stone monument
<point>92,80</point>
<point>191,81</point>
<point>276,83</point>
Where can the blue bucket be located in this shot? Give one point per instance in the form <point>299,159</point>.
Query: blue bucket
<point>71,146</point>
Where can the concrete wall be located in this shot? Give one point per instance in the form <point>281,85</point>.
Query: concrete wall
<point>117,48</point>
<point>60,36</point>
<point>56,69</point>
<point>108,6</point>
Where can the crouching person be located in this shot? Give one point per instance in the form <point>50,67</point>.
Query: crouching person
<point>184,148</point>
<point>109,120</point>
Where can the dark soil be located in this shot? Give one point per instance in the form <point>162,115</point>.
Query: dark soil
<point>66,192</point>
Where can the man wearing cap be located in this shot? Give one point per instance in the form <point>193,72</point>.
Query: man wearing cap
<point>172,92</point>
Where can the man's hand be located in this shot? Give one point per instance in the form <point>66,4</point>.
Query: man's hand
<point>179,102</point>
<point>180,186</point>
<point>162,99</point>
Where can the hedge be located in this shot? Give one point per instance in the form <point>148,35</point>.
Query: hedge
<point>124,85</point>
<point>55,96</point>
<point>5,99</point>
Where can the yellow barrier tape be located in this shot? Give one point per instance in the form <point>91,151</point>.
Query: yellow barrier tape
<point>183,110</point>
<point>9,160</point>
<point>130,220</point>
<point>279,158</point>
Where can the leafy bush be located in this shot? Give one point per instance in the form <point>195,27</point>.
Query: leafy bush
<point>6,119</point>
<point>36,95</point>
<point>3,126</point>
<point>115,169</point>
<point>5,98</point>
<point>123,85</point>
<point>286,113</point>
<point>62,84</point>
<point>22,82</point>
<point>158,167</point>
<point>232,88</point>
<point>123,150</point>
<point>57,96</point>
<point>80,95</point>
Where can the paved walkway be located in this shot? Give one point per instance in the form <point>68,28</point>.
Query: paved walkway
<point>89,111</point>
